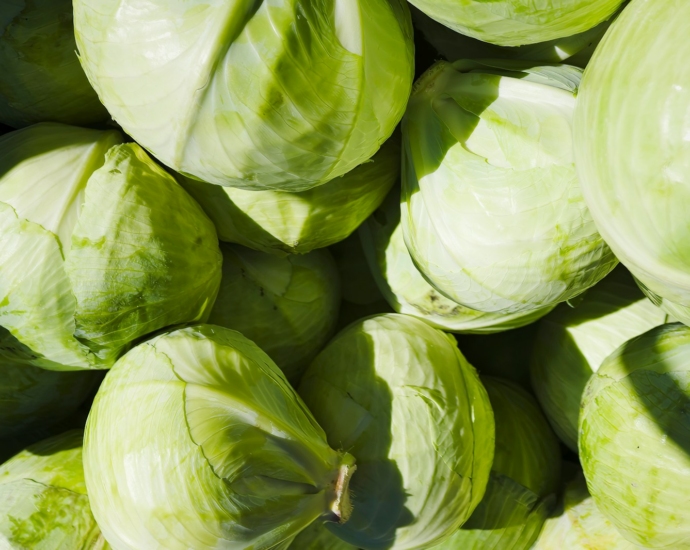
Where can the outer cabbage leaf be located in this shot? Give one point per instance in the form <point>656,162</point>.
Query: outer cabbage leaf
<point>282,95</point>
<point>295,223</point>
<point>287,306</point>
<point>518,22</point>
<point>635,169</point>
<point>317,537</point>
<point>42,79</point>
<point>492,212</point>
<point>399,395</point>
<point>634,438</point>
<point>408,292</point>
<point>218,450</point>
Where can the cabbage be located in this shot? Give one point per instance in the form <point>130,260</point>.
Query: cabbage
<point>42,79</point>
<point>317,537</point>
<point>287,306</point>
<point>634,439</point>
<point>43,500</point>
<point>579,525</point>
<point>295,223</point>
<point>492,212</point>
<point>215,451</point>
<point>524,477</point>
<point>635,168</point>
<point>399,396</point>
<point>100,247</point>
<point>518,22</point>
<point>408,292</point>
<point>282,95</point>
<point>573,341</point>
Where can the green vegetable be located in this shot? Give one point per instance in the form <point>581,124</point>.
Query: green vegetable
<point>42,79</point>
<point>43,501</point>
<point>295,223</point>
<point>214,449</point>
<point>524,477</point>
<point>31,397</point>
<point>287,306</point>
<point>518,22</point>
<point>635,439</point>
<point>408,292</point>
<point>283,95</point>
<point>631,144</point>
<point>579,525</point>
<point>100,247</point>
<point>317,537</point>
<point>492,212</point>
<point>399,396</point>
<point>573,341</point>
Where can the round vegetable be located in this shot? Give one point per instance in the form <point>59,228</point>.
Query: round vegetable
<point>43,500</point>
<point>399,396</point>
<point>524,479</point>
<point>573,341</point>
<point>518,22</point>
<point>631,144</point>
<point>295,223</point>
<point>214,449</point>
<point>492,212</point>
<point>42,79</point>
<point>287,306</point>
<point>100,247</point>
<point>283,95</point>
<point>408,292</point>
<point>635,437</point>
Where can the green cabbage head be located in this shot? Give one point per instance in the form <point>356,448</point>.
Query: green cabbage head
<point>635,167</point>
<point>524,477</point>
<point>518,22</point>
<point>42,79</point>
<point>283,95</point>
<point>280,222</point>
<point>43,500</point>
<point>634,438</point>
<point>287,306</point>
<point>100,246</point>
<point>399,396</point>
<point>574,340</point>
<point>492,211</point>
<point>408,292</point>
<point>212,449</point>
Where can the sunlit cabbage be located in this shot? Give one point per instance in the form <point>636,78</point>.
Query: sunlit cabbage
<point>518,22</point>
<point>492,212</point>
<point>317,537</point>
<point>283,95</point>
<point>197,440</point>
<point>524,477</point>
<point>31,397</point>
<point>573,341</point>
<point>100,246</point>
<point>42,79</point>
<point>295,223</point>
<point>400,397</point>
<point>634,438</point>
<point>286,306</point>
<point>579,525</point>
<point>43,501</point>
<point>576,49</point>
<point>406,289</point>
<point>635,167</point>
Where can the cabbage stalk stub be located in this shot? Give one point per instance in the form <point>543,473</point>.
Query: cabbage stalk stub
<point>635,167</point>
<point>214,449</point>
<point>400,397</point>
<point>635,439</point>
<point>285,95</point>
<point>492,211</point>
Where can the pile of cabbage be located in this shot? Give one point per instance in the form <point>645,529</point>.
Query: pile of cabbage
<point>344,274</point>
